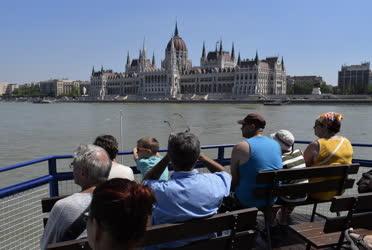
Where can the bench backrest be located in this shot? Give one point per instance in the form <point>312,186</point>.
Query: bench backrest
<point>272,179</point>
<point>242,224</point>
<point>47,205</point>
<point>359,208</point>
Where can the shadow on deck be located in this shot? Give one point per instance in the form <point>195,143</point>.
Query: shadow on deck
<point>282,237</point>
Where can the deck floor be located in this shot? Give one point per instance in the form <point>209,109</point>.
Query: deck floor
<point>284,238</point>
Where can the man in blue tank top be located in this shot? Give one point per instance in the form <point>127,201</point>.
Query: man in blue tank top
<point>256,153</point>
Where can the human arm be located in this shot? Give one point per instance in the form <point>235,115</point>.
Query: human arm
<point>155,172</point>
<point>212,165</point>
<point>54,227</point>
<point>239,155</point>
<point>311,153</point>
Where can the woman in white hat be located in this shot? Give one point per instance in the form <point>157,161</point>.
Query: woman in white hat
<point>292,159</point>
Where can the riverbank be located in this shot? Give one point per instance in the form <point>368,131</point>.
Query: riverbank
<point>265,100</point>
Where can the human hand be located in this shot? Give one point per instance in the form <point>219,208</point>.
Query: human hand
<point>202,157</point>
<point>135,150</point>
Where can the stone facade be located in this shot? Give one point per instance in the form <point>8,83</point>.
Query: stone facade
<point>57,87</point>
<point>354,79</point>
<point>316,81</point>
<point>7,88</point>
<point>219,73</point>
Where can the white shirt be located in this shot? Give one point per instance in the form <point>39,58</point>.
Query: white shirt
<point>121,171</point>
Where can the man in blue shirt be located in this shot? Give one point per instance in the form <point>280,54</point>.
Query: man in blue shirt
<point>254,154</point>
<point>188,194</point>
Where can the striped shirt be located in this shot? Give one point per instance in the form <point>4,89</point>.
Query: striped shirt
<point>294,160</point>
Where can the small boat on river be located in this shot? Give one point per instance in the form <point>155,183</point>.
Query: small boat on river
<point>43,101</point>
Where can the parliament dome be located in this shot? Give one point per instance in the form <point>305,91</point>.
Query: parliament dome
<point>178,43</point>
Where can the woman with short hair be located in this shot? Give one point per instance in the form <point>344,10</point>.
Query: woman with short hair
<point>118,214</point>
<point>329,149</point>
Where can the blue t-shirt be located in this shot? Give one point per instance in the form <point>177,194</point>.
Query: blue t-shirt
<point>265,155</point>
<point>145,164</point>
<point>188,195</point>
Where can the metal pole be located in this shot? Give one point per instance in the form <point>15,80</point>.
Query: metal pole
<point>53,184</point>
<point>121,135</point>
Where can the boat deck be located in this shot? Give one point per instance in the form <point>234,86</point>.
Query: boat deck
<point>284,238</point>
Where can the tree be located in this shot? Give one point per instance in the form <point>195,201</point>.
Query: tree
<point>75,92</point>
<point>369,89</point>
<point>27,91</point>
<point>290,89</point>
<point>326,89</point>
<point>303,88</point>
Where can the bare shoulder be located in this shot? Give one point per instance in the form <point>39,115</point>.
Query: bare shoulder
<point>313,145</point>
<point>311,152</point>
<point>240,153</point>
<point>242,146</point>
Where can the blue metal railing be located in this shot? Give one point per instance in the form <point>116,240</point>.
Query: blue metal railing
<point>54,176</point>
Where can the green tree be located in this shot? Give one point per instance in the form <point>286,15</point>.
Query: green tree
<point>27,91</point>
<point>370,89</point>
<point>303,88</point>
<point>326,89</point>
<point>75,92</point>
<point>290,89</point>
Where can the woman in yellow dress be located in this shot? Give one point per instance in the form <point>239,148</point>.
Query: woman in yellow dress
<point>329,149</point>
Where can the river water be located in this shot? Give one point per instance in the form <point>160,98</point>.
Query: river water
<point>28,131</point>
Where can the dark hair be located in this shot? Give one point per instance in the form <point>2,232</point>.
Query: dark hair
<point>334,126</point>
<point>149,143</point>
<point>108,143</point>
<point>121,207</point>
<point>183,150</point>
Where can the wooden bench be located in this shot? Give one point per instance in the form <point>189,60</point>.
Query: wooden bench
<point>242,224</point>
<point>47,205</point>
<point>332,232</point>
<point>273,188</point>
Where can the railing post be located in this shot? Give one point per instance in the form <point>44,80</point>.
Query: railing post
<point>221,153</point>
<point>53,184</point>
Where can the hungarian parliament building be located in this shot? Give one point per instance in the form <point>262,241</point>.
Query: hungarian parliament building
<point>221,74</point>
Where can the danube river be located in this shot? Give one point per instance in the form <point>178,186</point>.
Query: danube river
<point>28,131</point>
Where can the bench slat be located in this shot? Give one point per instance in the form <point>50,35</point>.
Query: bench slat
<point>360,220</point>
<point>315,235</point>
<point>171,232</point>
<point>70,245</point>
<point>346,203</point>
<point>293,189</point>
<point>243,241</point>
<point>48,203</point>
<point>305,173</point>
<point>220,222</point>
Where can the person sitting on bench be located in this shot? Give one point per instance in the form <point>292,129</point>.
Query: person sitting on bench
<point>329,149</point>
<point>118,214</point>
<point>91,166</point>
<point>254,154</point>
<point>188,194</point>
<point>292,159</point>
<point>110,144</point>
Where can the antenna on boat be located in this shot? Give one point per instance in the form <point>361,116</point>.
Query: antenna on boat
<point>169,125</point>
<point>177,126</point>
<point>184,121</point>
<point>121,135</point>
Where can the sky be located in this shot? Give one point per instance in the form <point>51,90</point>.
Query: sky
<point>43,39</point>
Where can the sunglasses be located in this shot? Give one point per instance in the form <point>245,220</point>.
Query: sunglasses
<point>317,124</point>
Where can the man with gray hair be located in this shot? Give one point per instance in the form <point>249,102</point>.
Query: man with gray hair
<point>91,166</point>
<point>188,194</point>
